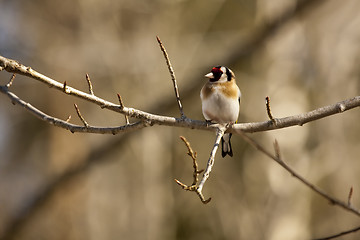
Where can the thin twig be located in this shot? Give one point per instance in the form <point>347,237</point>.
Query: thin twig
<point>350,196</point>
<point>11,80</point>
<point>89,84</point>
<point>68,119</point>
<point>317,190</point>
<point>80,116</point>
<point>121,103</point>
<point>172,73</point>
<point>196,172</point>
<point>339,234</point>
<point>193,156</point>
<point>268,110</point>
<point>277,150</point>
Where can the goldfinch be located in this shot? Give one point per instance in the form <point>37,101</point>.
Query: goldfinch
<point>220,98</point>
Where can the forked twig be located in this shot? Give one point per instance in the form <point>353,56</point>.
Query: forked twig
<point>172,73</point>
<point>198,189</point>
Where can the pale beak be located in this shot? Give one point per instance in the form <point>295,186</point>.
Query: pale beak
<point>209,75</point>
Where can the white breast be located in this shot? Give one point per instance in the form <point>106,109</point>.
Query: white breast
<point>219,108</point>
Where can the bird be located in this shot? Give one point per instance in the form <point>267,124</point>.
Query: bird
<point>220,98</point>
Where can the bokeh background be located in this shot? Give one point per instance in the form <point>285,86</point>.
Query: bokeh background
<point>122,187</point>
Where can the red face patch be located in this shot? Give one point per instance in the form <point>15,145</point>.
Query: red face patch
<point>216,70</point>
<point>217,73</point>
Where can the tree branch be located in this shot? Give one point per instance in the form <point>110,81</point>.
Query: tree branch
<point>340,234</point>
<point>198,189</point>
<point>13,66</point>
<point>280,161</point>
<point>219,133</point>
<point>173,78</point>
<point>65,124</point>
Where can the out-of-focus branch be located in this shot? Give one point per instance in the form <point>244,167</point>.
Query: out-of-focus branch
<point>339,234</point>
<point>280,161</point>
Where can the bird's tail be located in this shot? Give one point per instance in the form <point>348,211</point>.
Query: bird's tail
<point>226,145</point>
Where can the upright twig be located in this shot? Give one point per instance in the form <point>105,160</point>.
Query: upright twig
<point>172,73</point>
<point>121,103</point>
<point>89,84</point>
<point>68,119</point>
<point>268,110</point>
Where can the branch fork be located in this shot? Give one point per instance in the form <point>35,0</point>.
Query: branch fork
<point>195,186</point>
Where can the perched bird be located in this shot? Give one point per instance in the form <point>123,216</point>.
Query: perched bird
<point>220,98</point>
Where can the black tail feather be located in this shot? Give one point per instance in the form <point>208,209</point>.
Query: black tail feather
<point>226,147</point>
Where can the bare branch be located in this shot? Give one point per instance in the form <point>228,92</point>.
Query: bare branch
<point>350,196</point>
<point>89,84</point>
<point>11,80</point>
<point>15,67</point>
<point>172,73</point>
<point>219,133</point>
<point>196,172</point>
<point>340,234</point>
<point>193,156</point>
<point>68,119</point>
<point>277,150</point>
<point>268,110</point>
<point>331,199</point>
<point>80,116</point>
<point>65,124</point>
<point>122,106</point>
<point>210,164</point>
<point>299,119</point>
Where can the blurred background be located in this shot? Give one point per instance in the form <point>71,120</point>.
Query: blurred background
<point>59,185</point>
